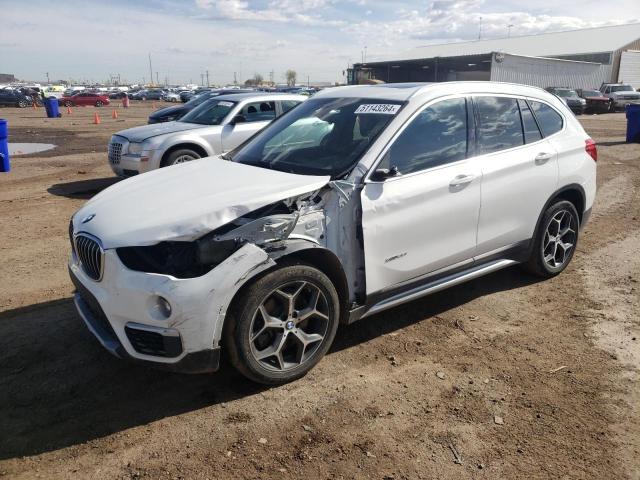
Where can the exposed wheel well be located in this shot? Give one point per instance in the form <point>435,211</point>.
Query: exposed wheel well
<point>192,146</point>
<point>327,263</point>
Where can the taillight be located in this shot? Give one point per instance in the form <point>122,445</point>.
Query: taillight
<point>590,148</point>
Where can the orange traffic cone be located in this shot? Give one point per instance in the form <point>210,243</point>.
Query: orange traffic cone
<point>33,105</point>
<point>68,110</point>
<point>154,105</point>
<point>96,119</point>
<point>114,114</point>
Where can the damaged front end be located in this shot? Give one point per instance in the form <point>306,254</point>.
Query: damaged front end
<point>266,228</point>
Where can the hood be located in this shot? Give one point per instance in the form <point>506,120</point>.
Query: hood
<point>185,201</point>
<point>169,111</point>
<point>138,134</point>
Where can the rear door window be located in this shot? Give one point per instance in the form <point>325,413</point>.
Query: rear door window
<point>531,131</point>
<point>259,112</point>
<point>499,124</point>
<point>549,120</point>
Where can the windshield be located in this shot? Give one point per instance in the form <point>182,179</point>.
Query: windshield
<point>591,93</point>
<point>565,93</point>
<point>622,88</point>
<point>212,112</point>
<point>322,136</point>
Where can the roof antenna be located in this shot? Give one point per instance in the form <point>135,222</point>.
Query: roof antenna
<point>480,30</point>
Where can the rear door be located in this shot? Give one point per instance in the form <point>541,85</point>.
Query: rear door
<point>519,172</point>
<point>249,119</point>
<point>426,218</point>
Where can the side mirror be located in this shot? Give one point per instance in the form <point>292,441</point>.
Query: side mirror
<point>381,174</point>
<point>238,119</point>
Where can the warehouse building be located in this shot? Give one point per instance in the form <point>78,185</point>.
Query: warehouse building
<point>577,59</point>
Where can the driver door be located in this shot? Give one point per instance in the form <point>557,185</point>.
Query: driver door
<point>249,119</point>
<point>426,217</point>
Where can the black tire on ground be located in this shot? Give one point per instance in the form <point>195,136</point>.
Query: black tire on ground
<point>551,252</point>
<point>68,103</point>
<point>22,104</point>
<point>180,155</point>
<point>240,327</point>
<point>99,103</point>
<point>612,106</point>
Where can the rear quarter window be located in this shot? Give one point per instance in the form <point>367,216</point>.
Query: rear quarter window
<point>549,120</point>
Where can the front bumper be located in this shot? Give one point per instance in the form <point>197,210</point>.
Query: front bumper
<point>622,103</point>
<point>188,340</point>
<point>127,165</point>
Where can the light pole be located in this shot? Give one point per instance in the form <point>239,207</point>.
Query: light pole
<point>509,30</point>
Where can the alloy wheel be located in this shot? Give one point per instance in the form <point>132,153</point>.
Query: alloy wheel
<point>289,326</point>
<point>183,159</point>
<point>559,239</point>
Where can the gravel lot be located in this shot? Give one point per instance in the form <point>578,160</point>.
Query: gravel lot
<point>503,377</point>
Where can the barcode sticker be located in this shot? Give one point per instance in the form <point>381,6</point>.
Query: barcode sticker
<point>384,108</point>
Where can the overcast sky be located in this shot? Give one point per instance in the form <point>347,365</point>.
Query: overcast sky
<point>89,40</point>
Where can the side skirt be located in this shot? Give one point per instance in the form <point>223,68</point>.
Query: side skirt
<point>435,285</point>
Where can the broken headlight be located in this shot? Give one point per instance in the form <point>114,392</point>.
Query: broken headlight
<point>194,259</point>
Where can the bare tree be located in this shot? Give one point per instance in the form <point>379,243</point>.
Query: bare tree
<point>291,78</point>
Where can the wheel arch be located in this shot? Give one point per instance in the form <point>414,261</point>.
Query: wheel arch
<point>573,193</point>
<point>304,251</point>
<point>199,149</point>
<point>324,260</point>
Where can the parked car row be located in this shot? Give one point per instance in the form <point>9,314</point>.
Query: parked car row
<point>611,97</point>
<point>168,114</point>
<point>355,201</point>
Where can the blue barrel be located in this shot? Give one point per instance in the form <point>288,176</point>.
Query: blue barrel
<point>51,105</point>
<point>633,123</point>
<point>4,146</point>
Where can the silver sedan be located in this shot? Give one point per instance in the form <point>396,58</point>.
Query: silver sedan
<point>214,127</point>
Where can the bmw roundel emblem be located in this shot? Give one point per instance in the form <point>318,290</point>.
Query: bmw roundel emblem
<point>88,218</point>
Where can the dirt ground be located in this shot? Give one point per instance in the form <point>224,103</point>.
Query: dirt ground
<point>503,377</point>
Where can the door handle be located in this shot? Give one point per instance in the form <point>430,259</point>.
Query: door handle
<point>459,180</point>
<point>543,158</point>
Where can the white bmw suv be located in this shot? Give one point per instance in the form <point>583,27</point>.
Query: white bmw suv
<point>356,201</point>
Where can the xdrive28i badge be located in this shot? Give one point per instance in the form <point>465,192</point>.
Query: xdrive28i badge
<point>88,218</point>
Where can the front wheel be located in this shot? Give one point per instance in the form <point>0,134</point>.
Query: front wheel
<point>99,103</point>
<point>68,103</point>
<point>282,325</point>
<point>22,104</point>
<point>555,241</point>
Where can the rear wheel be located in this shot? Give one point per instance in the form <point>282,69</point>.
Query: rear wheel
<point>556,240</point>
<point>22,104</point>
<point>282,325</point>
<point>68,103</point>
<point>181,155</point>
<point>99,103</point>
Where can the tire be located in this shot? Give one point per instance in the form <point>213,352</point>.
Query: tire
<point>68,104</point>
<point>293,341</point>
<point>99,103</point>
<point>612,106</point>
<point>180,155</point>
<point>22,104</point>
<point>553,250</point>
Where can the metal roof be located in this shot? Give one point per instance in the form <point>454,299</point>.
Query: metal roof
<point>573,42</point>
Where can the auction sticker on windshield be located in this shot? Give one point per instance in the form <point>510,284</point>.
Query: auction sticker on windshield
<point>225,104</point>
<point>385,108</point>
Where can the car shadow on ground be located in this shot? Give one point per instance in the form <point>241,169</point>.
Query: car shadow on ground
<point>84,189</point>
<point>59,388</point>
